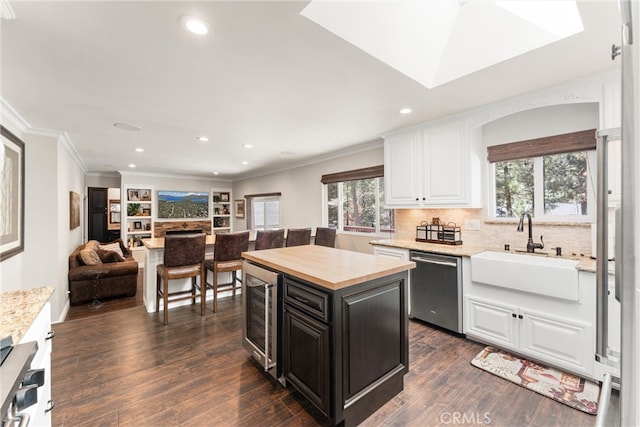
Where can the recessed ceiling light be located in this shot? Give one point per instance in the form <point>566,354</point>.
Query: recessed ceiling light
<point>131,165</point>
<point>247,145</point>
<point>202,138</point>
<point>139,150</point>
<point>127,126</point>
<point>244,162</point>
<point>195,25</point>
<point>406,111</point>
<point>216,173</point>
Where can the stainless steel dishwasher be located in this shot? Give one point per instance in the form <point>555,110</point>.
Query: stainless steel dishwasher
<point>436,290</point>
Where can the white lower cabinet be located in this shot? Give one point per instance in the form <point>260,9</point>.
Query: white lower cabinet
<point>398,253</point>
<point>493,322</point>
<point>557,332</point>
<point>40,331</point>
<point>390,252</point>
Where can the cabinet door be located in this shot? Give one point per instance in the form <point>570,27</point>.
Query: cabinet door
<point>446,172</point>
<point>389,252</point>
<point>402,169</point>
<point>306,357</point>
<point>40,331</point>
<point>560,341</point>
<point>494,323</point>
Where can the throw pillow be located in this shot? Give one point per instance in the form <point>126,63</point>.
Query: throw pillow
<point>114,247</point>
<point>92,244</point>
<point>109,256</point>
<point>90,257</point>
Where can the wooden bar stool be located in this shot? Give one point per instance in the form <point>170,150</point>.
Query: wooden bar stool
<point>298,236</point>
<point>227,257</point>
<point>183,258</point>
<point>269,239</point>
<point>325,236</point>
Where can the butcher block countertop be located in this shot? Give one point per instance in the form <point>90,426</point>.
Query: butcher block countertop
<point>328,267</point>
<point>18,310</point>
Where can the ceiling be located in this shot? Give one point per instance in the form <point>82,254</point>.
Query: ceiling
<point>265,76</point>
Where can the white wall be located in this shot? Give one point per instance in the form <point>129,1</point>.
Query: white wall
<point>541,122</point>
<point>301,201</point>
<point>102,180</point>
<point>51,172</point>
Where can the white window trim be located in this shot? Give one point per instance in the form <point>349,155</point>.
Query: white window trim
<point>538,195</point>
<point>340,230</point>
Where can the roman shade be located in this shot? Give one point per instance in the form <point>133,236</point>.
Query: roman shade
<point>566,143</point>
<point>364,173</point>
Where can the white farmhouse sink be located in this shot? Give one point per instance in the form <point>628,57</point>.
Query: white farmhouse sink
<point>553,277</point>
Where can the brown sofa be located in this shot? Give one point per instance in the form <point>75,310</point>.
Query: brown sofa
<point>116,276</point>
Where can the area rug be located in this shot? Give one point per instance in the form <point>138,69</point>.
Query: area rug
<point>565,388</point>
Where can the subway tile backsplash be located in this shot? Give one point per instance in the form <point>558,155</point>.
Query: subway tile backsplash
<point>573,238</point>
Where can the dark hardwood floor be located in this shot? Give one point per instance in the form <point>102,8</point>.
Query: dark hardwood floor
<point>122,367</point>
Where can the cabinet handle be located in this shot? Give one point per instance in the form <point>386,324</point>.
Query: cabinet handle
<point>50,335</point>
<point>520,316</point>
<point>417,199</point>
<point>52,404</point>
<point>513,315</point>
<point>424,198</point>
<point>301,299</point>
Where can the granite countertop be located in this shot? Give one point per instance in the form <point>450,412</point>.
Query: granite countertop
<point>328,267</point>
<point>584,263</point>
<point>18,310</point>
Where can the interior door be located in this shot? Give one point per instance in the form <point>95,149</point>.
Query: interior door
<point>98,214</point>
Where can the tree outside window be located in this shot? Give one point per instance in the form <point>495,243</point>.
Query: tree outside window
<point>563,180</point>
<point>358,206</point>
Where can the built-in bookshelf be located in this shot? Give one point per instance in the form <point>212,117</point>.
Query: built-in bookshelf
<point>138,214</point>
<point>221,210</point>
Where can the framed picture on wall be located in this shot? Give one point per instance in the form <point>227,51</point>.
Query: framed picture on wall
<point>12,190</point>
<point>74,210</point>
<point>115,218</point>
<point>239,208</point>
<point>224,197</point>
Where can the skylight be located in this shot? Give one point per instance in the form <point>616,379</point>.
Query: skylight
<point>437,41</point>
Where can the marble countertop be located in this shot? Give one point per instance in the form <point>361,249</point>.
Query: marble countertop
<point>328,267</point>
<point>584,263</point>
<point>18,310</point>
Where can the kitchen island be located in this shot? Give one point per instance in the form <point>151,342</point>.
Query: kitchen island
<point>345,327</point>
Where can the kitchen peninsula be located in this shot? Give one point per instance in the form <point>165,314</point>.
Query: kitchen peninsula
<point>345,327</point>
<point>154,256</point>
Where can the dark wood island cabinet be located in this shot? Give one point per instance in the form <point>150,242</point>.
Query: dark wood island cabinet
<point>345,327</point>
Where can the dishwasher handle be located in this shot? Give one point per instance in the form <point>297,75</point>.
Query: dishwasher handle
<point>434,261</point>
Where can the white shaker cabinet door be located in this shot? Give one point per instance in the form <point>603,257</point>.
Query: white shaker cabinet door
<point>402,169</point>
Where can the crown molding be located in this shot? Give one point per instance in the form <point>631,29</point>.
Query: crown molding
<point>354,149</point>
<point>64,139</point>
<point>12,118</point>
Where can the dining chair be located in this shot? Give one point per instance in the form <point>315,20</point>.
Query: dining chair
<point>298,237</point>
<point>227,257</point>
<point>183,258</point>
<point>269,239</point>
<point>325,236</point>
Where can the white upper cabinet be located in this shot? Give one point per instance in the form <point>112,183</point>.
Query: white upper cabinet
<point>431,167</point>
<point>402,153</point>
